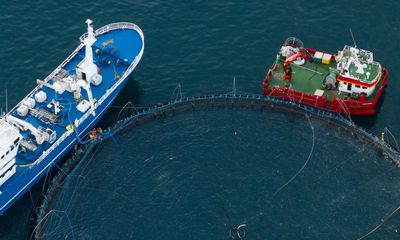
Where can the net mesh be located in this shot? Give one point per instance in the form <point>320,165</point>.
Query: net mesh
<point>215,167</point>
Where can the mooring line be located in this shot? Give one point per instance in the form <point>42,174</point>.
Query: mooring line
<point>383,221</point>
<point>304,165</point>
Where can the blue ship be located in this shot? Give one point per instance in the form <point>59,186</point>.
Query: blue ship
<point>65,106</point>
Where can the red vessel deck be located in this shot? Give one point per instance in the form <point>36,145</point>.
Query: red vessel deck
<point>344,105</point>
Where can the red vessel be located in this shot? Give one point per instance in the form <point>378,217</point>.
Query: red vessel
<point>350,82</point>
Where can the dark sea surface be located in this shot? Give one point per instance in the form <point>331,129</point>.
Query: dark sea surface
<point>202,45</point>
<point>200,173</point>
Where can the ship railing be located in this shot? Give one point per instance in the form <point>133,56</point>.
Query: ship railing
<point>134,63</point>
<point>110,27</point>
<point>64,135</point>
<point>50,76</point>
<point>68,59</point>
<point>47,151</point>
<point>102,30</point>
<point>78,123</point>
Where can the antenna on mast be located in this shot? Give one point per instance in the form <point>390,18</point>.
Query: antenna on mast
<point>352,36</point>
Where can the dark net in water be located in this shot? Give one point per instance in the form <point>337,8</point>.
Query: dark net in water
<point>227,171</point>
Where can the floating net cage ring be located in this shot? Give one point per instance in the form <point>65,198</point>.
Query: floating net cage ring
<point>161,110</point>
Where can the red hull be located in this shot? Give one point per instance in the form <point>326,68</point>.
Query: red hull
<point>352,106</point>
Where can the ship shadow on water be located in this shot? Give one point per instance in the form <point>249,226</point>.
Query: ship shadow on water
<point>367,122</point>
<point>19,212</point>
<point>131,92</point>
<point>206,134</point>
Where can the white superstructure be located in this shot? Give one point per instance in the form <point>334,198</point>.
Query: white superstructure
<point>87,71</point>
<point>57,114</point>
<point>9,142</point>
<point>41,135</point>
<point>358,72</point>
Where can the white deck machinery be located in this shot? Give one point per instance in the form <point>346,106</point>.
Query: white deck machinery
<point>11,139</point>
<point>11,126</point>
<point>87,73</point>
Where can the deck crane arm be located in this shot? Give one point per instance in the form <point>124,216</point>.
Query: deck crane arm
<point>40,136</point>
<point>303,53</point>
<point>85,85</point>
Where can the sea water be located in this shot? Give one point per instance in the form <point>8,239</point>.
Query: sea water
<point>202,173</point>
<point>201,45</point>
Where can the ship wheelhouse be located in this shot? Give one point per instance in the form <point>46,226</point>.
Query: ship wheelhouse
<point>349,82</point>
<point>358,72</point>
<point>9,143</point>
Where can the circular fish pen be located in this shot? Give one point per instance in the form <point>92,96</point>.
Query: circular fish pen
<point>226,167</point>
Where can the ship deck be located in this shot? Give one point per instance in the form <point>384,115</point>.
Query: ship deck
<point>118,54</point>
<point>114,52</point>
<point>308,78</point>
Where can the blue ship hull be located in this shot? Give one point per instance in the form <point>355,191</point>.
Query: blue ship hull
<point>124,36</point>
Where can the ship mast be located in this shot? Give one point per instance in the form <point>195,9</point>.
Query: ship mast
<point>87,71</point>
<point>89,41</point>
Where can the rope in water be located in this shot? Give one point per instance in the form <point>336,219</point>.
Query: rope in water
<point>304,165</point>
<point>383,221</point>
<point>231,100</point>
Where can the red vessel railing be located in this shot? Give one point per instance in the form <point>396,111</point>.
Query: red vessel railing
<point>345,106</point>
